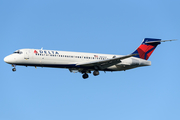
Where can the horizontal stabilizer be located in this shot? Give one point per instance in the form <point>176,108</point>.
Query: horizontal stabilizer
<point>160,41</point>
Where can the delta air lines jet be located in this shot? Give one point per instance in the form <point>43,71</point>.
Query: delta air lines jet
<point>84,62</point>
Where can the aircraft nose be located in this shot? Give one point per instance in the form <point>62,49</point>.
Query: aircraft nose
<point>8,59</point>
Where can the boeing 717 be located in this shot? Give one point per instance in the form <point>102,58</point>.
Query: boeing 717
<point>84,62</point>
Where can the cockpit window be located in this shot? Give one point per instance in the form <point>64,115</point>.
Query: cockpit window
<point>18,52</point>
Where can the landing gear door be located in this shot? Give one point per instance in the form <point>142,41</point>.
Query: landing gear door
<point>26,55</point>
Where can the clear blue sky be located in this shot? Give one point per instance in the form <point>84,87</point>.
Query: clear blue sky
<point>100,26</point>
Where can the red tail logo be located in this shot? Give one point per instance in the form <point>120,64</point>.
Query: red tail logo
<point>147,47</point>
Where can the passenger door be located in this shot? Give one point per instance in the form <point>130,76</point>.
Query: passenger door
<point>26,54</point>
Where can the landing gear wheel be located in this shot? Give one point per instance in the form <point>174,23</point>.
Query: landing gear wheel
<point>85,76</point>
<point>95,73</point>
<point>14,69</point>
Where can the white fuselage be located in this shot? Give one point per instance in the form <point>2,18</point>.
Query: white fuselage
<point>70,60</point>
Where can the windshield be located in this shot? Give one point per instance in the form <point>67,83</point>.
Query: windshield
<point>18,52</point>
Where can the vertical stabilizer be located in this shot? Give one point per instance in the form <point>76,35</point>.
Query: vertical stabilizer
<point>147,47</point>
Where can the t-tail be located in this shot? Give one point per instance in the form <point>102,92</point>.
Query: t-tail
<point>147,47</point>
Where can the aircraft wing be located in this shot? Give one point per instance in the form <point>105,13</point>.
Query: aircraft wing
<point>105,63</point>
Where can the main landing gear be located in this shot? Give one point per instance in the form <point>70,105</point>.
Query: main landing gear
<point>14,69</point>
<point>95,73</point>
<point>85,75</point>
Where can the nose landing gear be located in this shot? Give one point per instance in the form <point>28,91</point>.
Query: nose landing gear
<point>14,69</point>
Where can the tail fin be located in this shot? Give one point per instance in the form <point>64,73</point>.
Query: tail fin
<point>147,47</point>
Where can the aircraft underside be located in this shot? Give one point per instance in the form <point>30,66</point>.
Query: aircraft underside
<point>84,70</point>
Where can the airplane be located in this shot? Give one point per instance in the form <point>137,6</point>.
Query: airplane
<point>85,62</point>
